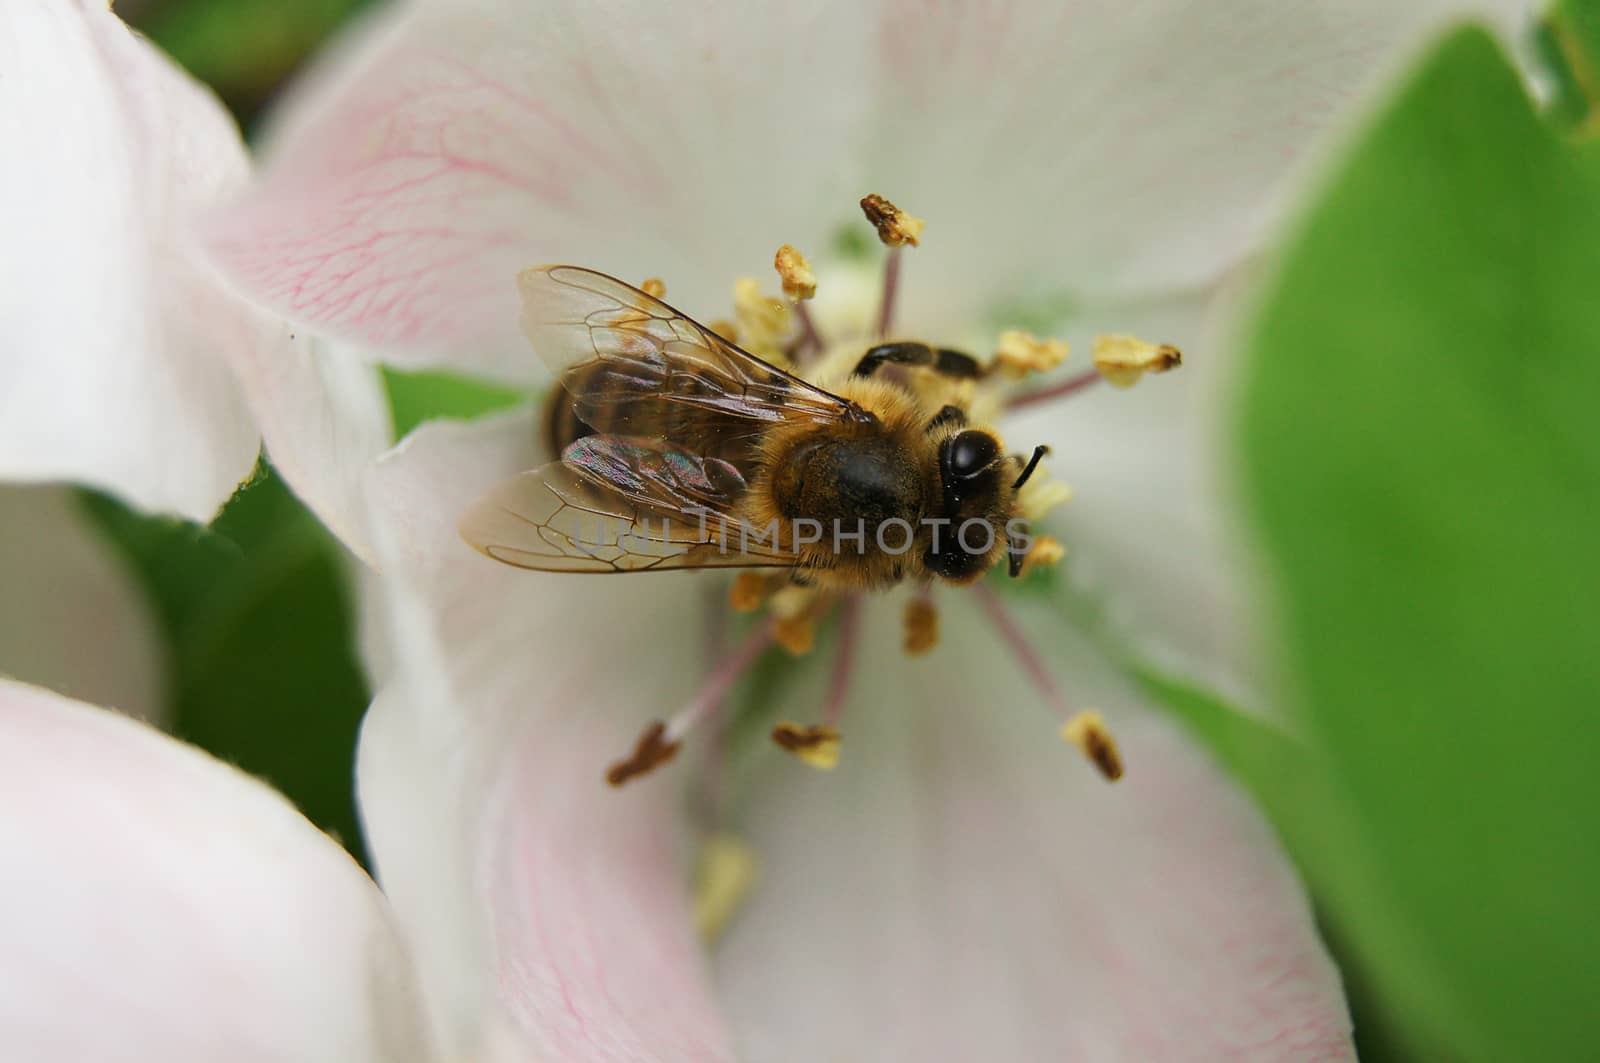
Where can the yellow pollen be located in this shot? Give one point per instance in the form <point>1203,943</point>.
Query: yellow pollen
<point>727,870</point>
<point>1122,360</point>
<point>895,226</point>
<point>762,321</point>
<point>650,752</point>
<point>817,745</point>
<point>1041,494</point>
<point>796,634</point>
<point>1020,353</point>
<point>795,272</point>
<point>1087,730</point>
<point>1046,551</point>
<point>655,286</point>
<point>922,626</point>
<point>749,590</point>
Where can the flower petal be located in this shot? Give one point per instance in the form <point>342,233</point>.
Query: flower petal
<point>72,618</point>
<point>1069,148</point>
<point>1147,532</point>
<point>503,696</point>
<point>162,905</point>
<point>324,419</point>
<point>962,887</point>
<point>111,374</point>
<point>455,144</point>
<point>1079,148</point>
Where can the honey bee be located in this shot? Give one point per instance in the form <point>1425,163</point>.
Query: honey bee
<point>679,450</point>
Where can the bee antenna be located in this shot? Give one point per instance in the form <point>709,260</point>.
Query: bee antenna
<point>1033,463</point>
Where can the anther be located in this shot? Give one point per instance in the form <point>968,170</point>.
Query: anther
<point>799,283</point>
<point>660,742</point>
<point>749,590</point>
<point>1087,730</point>
<point>1020,353</point>
<point>654,287</point>
<point>650,752</point>
<point>921,625</point>
<point>1046,552</point>
<point>726,873</point>
<point>816,745</point>
<point>796,634</point>
<point>895,227</point>
<point>1122,360</point>
<point>763,321</point>
<point>1040,495</point>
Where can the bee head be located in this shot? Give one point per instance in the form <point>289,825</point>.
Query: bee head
<point>977,499</point>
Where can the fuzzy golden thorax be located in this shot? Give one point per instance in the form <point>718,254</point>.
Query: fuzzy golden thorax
<point>878,501</point>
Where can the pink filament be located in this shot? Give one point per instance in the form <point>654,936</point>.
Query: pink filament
<point>1026,655</point>
<point>1054,391</point>
<point>843,660</point>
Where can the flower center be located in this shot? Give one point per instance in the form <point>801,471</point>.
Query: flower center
<point>956,396</point>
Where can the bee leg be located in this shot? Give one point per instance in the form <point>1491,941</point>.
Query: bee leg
<point>941,360</point>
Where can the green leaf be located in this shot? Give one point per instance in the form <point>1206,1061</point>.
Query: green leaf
<point>244,49</point>
<point>427,395</point>
<point>257,622</point>
<point>1421,462</point>
<point>1567,40</point>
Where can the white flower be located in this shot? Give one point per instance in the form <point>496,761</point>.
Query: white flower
<point>161,905</point>
<point>961,887</point>
<point>126,363</point>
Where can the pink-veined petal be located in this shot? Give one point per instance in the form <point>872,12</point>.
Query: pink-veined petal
<point>162,905</point>
<point>72,617</point>
<point>963,886</point>
<point>114,370</point>
<point>533,888</point>
<point>1078,148</point>
<point>454,144</point>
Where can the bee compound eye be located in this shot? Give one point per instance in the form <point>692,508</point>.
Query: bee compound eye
<point>971,452</point>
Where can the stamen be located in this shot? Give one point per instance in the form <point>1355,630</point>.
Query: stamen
<point>1122,360</point>
<point>1046,552</point>
<point>817,745</point>
<point>727,872</point>
<point>809,340</point>
<point>1020,353</point>
<point>895,227</point>
<point>1040,495</point>
<point>1069,386</point>
<point>649,753</point>
<point>891,288</point>
<point>843,660</point>
<point>660,742</point>
<point>654,286</point>
<point>1087,731</point>
<point>1033,664</point>
<point>922,623</point>
<point>799,283</point>
<point>763,321</point>
<point>710,790</point>
<point>749,590</point>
